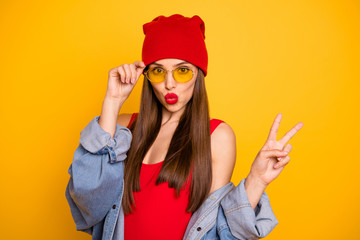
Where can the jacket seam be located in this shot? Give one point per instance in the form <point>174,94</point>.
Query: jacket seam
<point>237,208</point>
<point>118,209</point>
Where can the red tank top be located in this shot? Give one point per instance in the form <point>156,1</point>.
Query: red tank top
<point>158,214</point>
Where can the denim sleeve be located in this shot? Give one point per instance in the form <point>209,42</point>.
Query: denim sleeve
<point>245,222</point>
<point>96,173</point>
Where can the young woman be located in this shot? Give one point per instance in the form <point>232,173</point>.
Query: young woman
<point>164,172</point>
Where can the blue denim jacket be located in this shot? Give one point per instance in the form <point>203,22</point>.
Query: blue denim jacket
<point>95,188</point>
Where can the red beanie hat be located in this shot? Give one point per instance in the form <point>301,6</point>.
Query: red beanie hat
<point>175,36</point>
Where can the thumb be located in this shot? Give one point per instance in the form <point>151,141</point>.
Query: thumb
<point>139,64</point>
<point>139,68</point>
<point>275,153</point>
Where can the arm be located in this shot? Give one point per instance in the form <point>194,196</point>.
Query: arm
<point>246,208</point>
<point>244,221</point>
<point>96,173</point>
<point>223,153</point>
<point>97,168</point>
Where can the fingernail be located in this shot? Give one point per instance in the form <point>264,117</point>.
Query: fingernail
<point>276,165</point>
<point>279,158</point>
<point>285,152</point>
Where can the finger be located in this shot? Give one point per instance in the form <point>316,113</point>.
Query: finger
<point>273,153</point>
<point>275,127</point>
<point>287,148</point>
<point>291,133</point>
<point>140,68</point>
<point>121,73</point>
<point>139,64</point>
<point>133,73</point>
<point>283,162</point>
<point>138,74</point>
<point>127,73</point>
<point>139,71</point>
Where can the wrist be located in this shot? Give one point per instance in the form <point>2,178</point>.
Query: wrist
<point>255,182</point>
<point>113,103</point>
<point>114,100</point>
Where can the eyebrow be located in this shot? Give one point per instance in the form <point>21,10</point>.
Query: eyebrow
<point>173,65</point>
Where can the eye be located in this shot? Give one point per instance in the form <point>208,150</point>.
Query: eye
<point>157,70</point>
<point>183,70</point>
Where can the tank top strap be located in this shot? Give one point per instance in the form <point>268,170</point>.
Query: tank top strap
<point>214,123</point>
<point>133,116</point>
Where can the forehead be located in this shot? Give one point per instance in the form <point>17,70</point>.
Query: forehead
<point>170,62</point>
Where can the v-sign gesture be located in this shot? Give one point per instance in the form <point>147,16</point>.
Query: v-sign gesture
<point>273,156</point>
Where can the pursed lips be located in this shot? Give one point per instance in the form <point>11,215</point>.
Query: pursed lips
<point>171,98</point>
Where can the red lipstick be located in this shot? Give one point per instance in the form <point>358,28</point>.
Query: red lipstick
<point>171,98</point>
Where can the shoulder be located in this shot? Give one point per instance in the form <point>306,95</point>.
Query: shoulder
<point>223,151</point>
<point>223,139</point>
<point>123,119</point>
<point>222,132</point>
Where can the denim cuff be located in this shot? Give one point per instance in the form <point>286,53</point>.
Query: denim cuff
<point>97,141</point>
<point>244,221</point>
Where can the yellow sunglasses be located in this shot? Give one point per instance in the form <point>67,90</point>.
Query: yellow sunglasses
<point>158,75</point>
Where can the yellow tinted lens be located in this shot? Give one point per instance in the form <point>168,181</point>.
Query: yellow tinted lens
<point>183,74</point>
<point>156,75</point>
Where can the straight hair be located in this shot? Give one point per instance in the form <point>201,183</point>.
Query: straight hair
<point>189,150</point>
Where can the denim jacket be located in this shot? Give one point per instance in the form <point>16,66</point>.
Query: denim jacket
<point>95,188</point>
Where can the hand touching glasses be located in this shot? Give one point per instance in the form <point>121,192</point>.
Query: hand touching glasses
<point>122,79</point>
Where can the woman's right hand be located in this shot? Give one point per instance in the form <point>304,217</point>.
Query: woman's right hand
<point>122,80</point>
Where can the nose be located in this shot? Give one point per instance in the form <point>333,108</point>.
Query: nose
<point>170,82</point>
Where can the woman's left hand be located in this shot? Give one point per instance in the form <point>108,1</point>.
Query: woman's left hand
<point>271,159</point>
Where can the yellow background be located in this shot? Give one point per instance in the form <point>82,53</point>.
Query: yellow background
<point>300,58</point>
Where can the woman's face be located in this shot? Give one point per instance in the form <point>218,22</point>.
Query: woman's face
<point>164,90</point>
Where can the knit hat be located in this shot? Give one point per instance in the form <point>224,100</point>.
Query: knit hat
<point>175,36</point>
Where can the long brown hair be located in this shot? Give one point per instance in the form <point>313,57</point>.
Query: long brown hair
<point>189,149</point>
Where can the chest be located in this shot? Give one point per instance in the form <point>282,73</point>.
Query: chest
<point>159,148</point>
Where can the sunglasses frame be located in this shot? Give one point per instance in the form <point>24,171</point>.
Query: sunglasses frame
<point>166,72</point>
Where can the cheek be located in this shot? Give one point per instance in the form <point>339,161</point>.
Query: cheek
<point>188,92</point>
<point>156,91</point>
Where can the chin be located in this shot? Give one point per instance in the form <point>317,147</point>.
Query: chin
<point>173,107</point>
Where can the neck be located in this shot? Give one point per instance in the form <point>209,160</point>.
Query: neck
<point>170,117</point>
